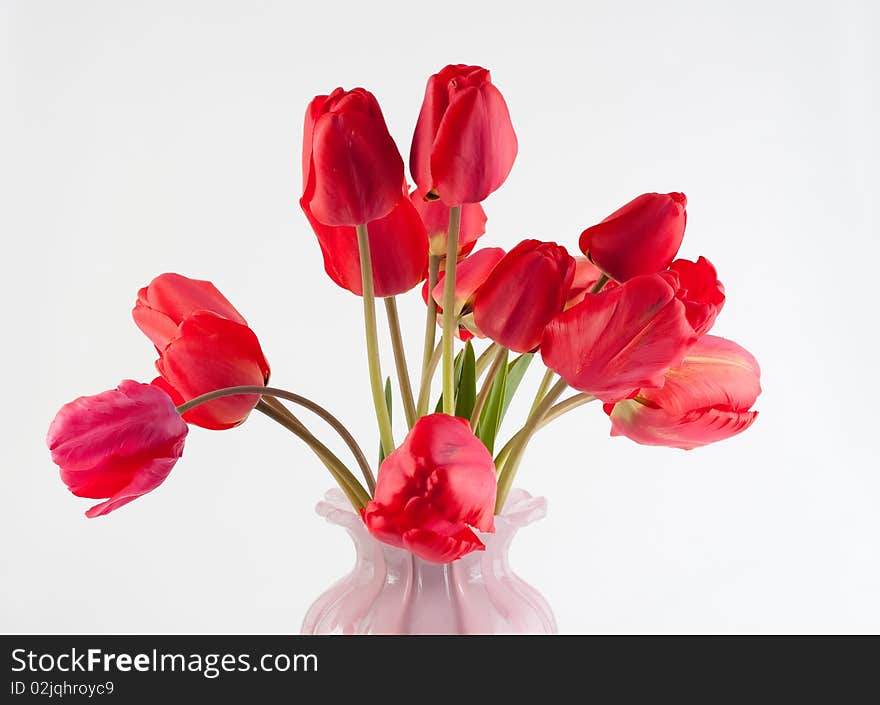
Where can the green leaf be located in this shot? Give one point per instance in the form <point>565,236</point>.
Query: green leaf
<point>389,397</point>
<point>466,392</point>
<point>515,374</point>
<point>490,419</point>
<point>458,360</point>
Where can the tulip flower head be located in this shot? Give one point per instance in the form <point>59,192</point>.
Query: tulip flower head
<point>117,445</point>
<point>641,237</point>
<point>701,292</point>
<point>204,344</point>
<point>525,290</point>
<point>352,171</point>
<point>707,398</point>
<point>434,490</point>
<point>621,339</point>
<point>464,144</point>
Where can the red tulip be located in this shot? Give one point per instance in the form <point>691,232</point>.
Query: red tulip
<point>700,290</point>
<point>621,339</point>
<point>523,293</point>
<point>352,171</point>
<point>168,299</point>
<point>119,444</point>
<point>435,216</point>
<point>433,490</point>
<point>705,399</point>
<point>464,145</point>
<point>398,248</point>
<point>204,344</point>
<point>642,237</point>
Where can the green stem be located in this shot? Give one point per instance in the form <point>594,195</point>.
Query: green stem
<point>403,381</point>
<point>508,470</point>
<point>346,481</point>
<point>425,392</point>
<point>302,401</point>
<point>335,424</point>
<point>497,363</point>
<point>372,336</point>
<point>430,334</point>
<point>600,284</point>
<point>485,359</point>
<point>542,389</point>
<point>449,313</point>
<point>566,405</point>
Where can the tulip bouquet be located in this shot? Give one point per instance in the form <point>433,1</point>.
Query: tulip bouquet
<point>624,323</point>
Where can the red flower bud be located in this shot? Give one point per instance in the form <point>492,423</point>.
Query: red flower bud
<point>204,344</point>
<point>398,251</point>
<point>464,144</point>
<point>525,290</point>
<point>703,400</point>
<point>621,339</point>
<point>430,491</point>
<point>352,171</point>
<point>119,444</point>
<point>642,237</point>
<point>700,290</point>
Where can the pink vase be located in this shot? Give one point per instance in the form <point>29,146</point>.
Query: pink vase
<point>391,591</point>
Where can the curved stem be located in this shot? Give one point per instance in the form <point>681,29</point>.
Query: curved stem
<point>508,470</point>
<point>542,389</point>
<point>403,381</point>
<point>343,432</point>
<point>430,332</point>
<point>566,405</point>
<point>497,363</point>
<point>302,401</point>
<point>449,312</point>
<point>425,392</point>
<point>375,368</point>
<point>346,481</point>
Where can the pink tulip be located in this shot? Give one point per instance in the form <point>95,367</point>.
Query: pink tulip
<point>119,444</point>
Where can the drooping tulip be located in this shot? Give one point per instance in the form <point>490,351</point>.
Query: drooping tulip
<point>525,290</point>
<point>707,398</point>
<point>641,237</point>
<point>621,339</point>
<point>204,344</point>
<point>117,445</point>
<point>398,247</point>
<point>435,216</point>
<point>700,290</point>
<point>166,301</point>
<point>464,144</point>
<point>352,170</point>
<point>434,490</point>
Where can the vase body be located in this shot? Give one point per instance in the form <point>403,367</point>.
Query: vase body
<point>391,591</point>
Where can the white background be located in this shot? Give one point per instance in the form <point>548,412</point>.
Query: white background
<point>139,138</point>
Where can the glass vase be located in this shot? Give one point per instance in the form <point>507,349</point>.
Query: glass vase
<point>391,591</point>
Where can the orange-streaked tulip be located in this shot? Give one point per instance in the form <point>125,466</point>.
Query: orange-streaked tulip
<point>707,398</point>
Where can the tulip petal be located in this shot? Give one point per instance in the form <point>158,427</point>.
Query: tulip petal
<point>435,216</point>
<point>169,298</point>
<point>209,353</point>
<point>619,340</point>
<point>398,248</point>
